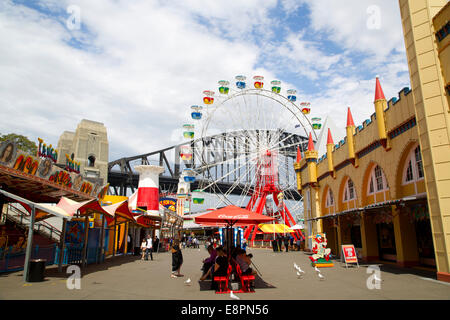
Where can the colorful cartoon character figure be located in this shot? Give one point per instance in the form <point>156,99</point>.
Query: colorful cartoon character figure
<point>320,249</point>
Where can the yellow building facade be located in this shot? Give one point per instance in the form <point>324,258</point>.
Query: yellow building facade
<point>386,187</point>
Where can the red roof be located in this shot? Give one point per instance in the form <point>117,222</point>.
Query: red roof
<point>349,118</point>
<point>310,143</point>
<point>379,95</point>
<point>231,216</point>
<point>330,138</point>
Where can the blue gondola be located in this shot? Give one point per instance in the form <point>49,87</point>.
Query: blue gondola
<point>196,115</point>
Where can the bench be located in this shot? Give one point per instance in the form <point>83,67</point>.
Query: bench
<point>223,281</point>
<point>245,279</point>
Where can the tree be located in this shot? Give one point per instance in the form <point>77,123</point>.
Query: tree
<point>22,142</point>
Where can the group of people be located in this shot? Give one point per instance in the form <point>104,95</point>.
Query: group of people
<point>216,265</point>
<point>190,241</point>
<point>212,241</point>
<point>288,241</point>
<point>147,246</point>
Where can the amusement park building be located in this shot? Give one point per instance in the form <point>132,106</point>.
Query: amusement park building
<point>386,187</point>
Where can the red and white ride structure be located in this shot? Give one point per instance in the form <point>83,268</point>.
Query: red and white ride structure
<point>244,141</point>
<point>266,185</point>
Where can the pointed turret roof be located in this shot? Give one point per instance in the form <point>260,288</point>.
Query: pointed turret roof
<point>349,118</point>
<point>330,138</point>
<point>379,95</point>
<point>310,143</point>
<point>299,155</point>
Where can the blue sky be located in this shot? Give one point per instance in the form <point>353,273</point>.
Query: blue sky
<point>137,65</point>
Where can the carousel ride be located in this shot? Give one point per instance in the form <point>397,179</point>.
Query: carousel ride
<point>262,130</point>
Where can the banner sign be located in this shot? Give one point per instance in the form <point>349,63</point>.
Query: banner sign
<point>169,203</point>
<point>42,166</point>
<point>349,254</point>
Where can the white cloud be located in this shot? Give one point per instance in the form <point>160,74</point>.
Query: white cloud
<point>349,23</point>
<point>305,57</point>
<point>145,62</point>
<point>153,63</point>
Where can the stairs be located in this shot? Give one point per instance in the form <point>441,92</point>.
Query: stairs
<point>16,213</point>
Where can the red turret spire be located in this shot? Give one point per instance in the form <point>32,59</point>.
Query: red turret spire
<point>310,143</point>
<point>379,95</point>
<point>349,118</point>
<point>299,155</point>
<point>330,138</point>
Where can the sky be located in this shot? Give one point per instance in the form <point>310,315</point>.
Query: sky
<point>138,65</point>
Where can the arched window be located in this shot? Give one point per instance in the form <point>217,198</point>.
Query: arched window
<point>91,161</point>
<point>330,199</point>
<point>377,181</point>
<point>414,168</point>
<point>349,191</point>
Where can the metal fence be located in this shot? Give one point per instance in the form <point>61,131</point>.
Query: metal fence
<point>14,261</point>
<point>73,254</point>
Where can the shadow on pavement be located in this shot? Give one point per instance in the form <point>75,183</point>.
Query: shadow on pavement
<point>52,271</point>
<point>259,284</point>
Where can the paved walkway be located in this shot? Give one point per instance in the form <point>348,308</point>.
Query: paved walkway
<point>130,278</point>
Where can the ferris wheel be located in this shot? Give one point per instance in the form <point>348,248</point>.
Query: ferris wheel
<point>246,143</point>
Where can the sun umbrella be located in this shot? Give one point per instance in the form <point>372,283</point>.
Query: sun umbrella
<point>231,216</point>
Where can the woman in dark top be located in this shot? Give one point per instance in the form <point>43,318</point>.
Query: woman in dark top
<point>177,259</point>
<point>220,267</point>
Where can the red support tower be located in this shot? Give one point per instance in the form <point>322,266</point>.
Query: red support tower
<point>266,184</point>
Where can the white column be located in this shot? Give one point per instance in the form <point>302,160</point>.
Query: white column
<point>148,188</point>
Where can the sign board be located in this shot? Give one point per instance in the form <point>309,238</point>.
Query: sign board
<point>169,203</point>
<point>349,254</point>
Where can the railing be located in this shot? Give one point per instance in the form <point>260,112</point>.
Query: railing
<point>73,254</point>
<point>22,217</point>
<point>14,261</point>
<point>260,244</point>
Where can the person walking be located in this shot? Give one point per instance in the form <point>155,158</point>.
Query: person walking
<point>177,259</point>
<point>143,248</point>
<point>149,248</point>
<point>156,244</point>
<point>286,243</point>
<point>244,244</point>
<point>128,244</point>
<point>298,244</point>
<point>280,243</point>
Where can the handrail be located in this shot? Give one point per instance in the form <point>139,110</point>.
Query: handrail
<point>24,214</point>
<point>40,222</point>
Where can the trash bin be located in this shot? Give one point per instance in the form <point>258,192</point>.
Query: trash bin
<point>36,270</point>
